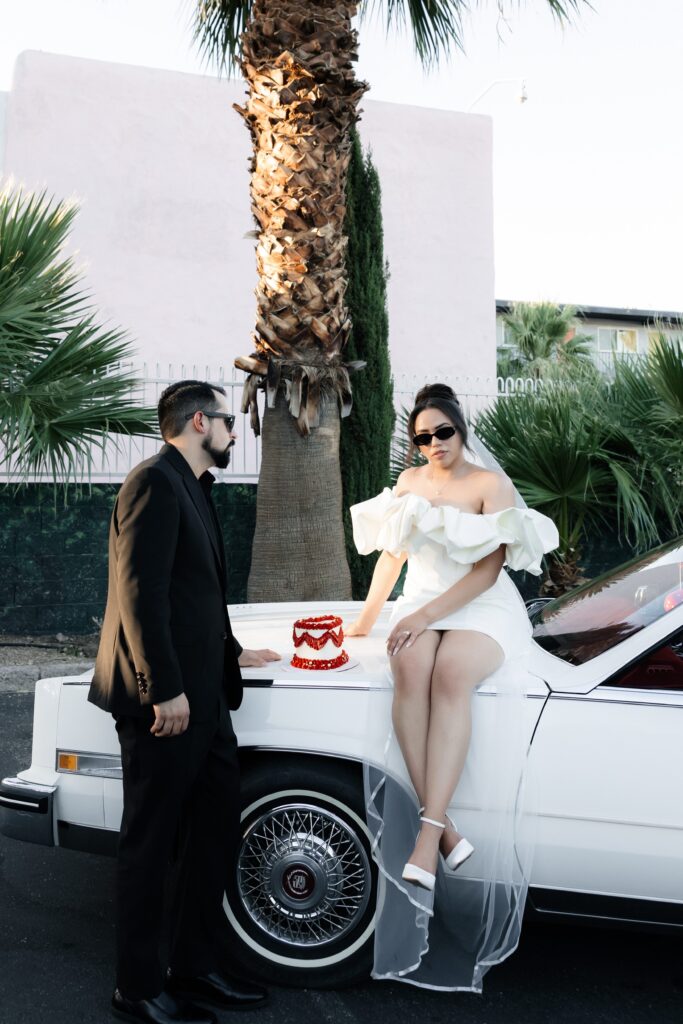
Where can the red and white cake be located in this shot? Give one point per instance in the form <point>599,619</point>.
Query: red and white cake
<point>318,643</point>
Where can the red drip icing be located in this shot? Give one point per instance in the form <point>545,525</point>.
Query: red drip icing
<point>318,642</point>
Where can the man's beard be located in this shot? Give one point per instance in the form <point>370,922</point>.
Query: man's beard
<point>219,456</point>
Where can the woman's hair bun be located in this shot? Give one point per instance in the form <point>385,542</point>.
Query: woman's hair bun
<point>431,391</point>
<point>436,396</point>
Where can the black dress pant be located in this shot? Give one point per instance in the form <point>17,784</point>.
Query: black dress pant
<point>180,795</point>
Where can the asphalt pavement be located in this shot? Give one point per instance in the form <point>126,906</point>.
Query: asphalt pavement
<point>57,943</point>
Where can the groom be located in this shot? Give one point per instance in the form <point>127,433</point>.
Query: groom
<point>168,670</point>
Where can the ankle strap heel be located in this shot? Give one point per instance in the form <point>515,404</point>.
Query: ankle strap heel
<point>431,821</point>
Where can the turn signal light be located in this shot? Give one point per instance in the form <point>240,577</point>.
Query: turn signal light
<point>67,762</point>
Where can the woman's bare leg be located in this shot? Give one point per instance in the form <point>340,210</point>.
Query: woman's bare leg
<point>463,660</point>
<point>412,670</point>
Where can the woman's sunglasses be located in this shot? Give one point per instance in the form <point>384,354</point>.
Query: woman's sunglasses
<point>442,434</point>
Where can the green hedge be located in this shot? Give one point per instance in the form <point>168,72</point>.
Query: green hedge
<point>53,557</point>
<point>366,433</point>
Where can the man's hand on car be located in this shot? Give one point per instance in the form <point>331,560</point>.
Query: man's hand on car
<point>256,659</point>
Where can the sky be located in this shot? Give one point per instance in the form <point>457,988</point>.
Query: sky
<point>587,194</point>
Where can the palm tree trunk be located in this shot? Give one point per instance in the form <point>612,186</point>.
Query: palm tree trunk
<point>298,551</point>
<point>297,57</point>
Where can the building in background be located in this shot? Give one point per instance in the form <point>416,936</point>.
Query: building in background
<point>159,163</point>
<point>613,333</point>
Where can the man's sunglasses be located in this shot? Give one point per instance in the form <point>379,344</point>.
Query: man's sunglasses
<point>442,434</point>
<point>227,417</point>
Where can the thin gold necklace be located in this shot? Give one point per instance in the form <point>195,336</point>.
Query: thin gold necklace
<point>440,489</point>
<point>443,487</point>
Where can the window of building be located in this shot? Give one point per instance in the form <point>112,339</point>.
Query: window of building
<point>504,335</point>
<point>627,340</point>
<point>617,339</point>
<point>591,333</point>
<point>607,339</point>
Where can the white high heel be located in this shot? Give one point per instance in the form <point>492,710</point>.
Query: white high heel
<point>461,852</point>
<point>418,875</point>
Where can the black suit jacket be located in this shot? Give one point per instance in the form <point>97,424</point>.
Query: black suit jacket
<point>166,628</point>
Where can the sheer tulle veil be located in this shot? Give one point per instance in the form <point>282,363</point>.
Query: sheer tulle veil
<point>480,454</point>
<point>449,939</point>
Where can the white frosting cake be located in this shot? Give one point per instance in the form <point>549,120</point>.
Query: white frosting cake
<point>318,643</point>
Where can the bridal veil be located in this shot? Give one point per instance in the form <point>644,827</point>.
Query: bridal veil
<point>449,939</point>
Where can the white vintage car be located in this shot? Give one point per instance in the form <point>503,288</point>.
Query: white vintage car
<point>604,714</point>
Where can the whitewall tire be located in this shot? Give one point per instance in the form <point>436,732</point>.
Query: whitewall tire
<point>302,898</point>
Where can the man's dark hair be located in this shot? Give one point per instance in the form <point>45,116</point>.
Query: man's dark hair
<point>182,398</point>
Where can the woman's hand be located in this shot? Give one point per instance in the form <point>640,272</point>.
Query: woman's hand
<point>406,632</point>
<point>357,629</point>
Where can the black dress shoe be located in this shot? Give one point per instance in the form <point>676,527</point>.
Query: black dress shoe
<point>218,989</point>
<point>163,1009</point>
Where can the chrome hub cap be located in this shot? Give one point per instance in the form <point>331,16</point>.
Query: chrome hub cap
<point>303,875</point>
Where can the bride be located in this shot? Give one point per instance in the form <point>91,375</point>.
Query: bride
<point>459,620</point>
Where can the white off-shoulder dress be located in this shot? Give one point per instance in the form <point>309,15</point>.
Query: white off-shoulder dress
<point>448,939</point>
<point>443,543</point>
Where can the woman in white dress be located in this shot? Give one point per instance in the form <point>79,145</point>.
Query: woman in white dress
<point>459,619</point>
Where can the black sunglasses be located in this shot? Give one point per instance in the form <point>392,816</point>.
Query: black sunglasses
<point>442,434</point>
<point>227,417</point>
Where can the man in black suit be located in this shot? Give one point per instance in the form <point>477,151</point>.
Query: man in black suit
<point>168,669</point>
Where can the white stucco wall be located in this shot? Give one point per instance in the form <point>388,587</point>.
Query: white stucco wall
<point>3,112</point>
<point>158,162</point>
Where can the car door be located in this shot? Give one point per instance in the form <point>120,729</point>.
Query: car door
<point>610,765</point>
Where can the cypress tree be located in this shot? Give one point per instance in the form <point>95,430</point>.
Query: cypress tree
<point>366,433</point>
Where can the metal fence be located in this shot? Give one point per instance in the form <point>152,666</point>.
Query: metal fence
<point>120,454</point>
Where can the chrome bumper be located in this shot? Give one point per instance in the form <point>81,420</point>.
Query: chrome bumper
<point>26,811</point>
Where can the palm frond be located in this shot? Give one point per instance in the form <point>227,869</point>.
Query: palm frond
<point>545,341</point>
<point>563,9</point>
<point>435,25</point>
<point>577,348</point>
<point>217,28</point>
<point>400,446</point>
<point>634,515</point>
<point>63,390</point>
<point>647,398</point>
<point>36,285</point>
<point>570,456</point>
<point>508,364</point>
<point>664,368</point>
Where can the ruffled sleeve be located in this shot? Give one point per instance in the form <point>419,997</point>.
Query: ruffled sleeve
<point>526,534</point>
<point>383,523</point>
<point>405,523</point>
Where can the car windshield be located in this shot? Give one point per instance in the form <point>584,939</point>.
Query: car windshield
<point>588,621</point>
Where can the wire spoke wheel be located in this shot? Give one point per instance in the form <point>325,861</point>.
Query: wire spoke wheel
<point>303,875</point>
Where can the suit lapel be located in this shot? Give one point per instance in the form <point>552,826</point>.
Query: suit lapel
<point>217,534</point>
<point>194,489</point>
<point>200,503</point>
